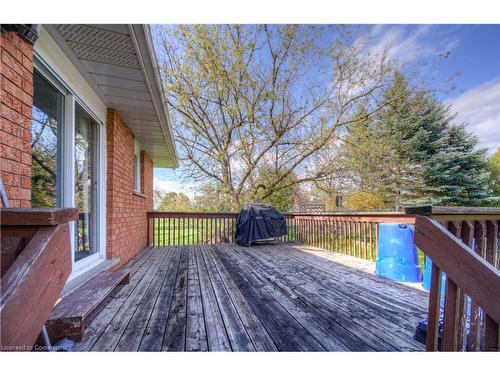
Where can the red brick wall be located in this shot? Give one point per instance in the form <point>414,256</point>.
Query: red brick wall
<point>126,211</point>
<point>16,71</point>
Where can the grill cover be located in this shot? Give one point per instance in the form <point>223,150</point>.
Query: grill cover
<point>258,221</point>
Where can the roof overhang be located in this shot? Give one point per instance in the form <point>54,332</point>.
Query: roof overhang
<point>120,64</point>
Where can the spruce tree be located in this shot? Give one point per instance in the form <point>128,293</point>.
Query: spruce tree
<point>456,173</point>
<point>395,128</point>
<point>417,156</point>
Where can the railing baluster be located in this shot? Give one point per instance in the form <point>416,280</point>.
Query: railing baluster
<point>322,234</point>
<point>316,233</point>
<point>475,311</point>
<point>354,229</point>
<point>356,239</point>
<point>161,231</point>
<point>467,233</point>
<point>343,245</point>
<point>456,229</point>
<point>313,221</point>
<point>451,319</point>
<point>233,229</point>
<point>153,222</point>
<point>360,239</point>
<point>309,231</point>
<point>313,224</point>
<point>166,235</point>
<point>363,231</point>
<point>341,236</point>
<point>492,243</point>
<point>357,252</point>
<point>329,234</point>
<point>157,237</point>
<point>335,225</point>
<point>179,231</point>
<point>434,309</point>
<point>334,234</point>
<point>172,231</point>
<point>211,230</point>
<point>215,234</point>
<point>302,231</point>
<point>348,247</point>
<point>371,239</point>
<point>305,224</point>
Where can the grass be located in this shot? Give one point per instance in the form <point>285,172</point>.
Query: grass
<point>189,232</point>
<point>196,231</point>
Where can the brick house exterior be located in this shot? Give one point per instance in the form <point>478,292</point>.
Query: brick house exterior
<point>124,214</point>
<point>16,71</point>
<point>126,222</point>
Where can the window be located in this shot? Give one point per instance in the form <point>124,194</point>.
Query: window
<point>46,129</point>
<point>137,167</point>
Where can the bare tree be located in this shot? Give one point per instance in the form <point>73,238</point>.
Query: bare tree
<point>245,96</point>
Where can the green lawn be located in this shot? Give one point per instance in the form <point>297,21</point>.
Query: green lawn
<point>197,231</point>
<point>190,232</point>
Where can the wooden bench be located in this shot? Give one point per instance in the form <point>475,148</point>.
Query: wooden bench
<point>68,316</point>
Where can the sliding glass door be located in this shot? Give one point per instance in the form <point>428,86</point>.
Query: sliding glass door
<point>67,153</point>
<point>86,183</point>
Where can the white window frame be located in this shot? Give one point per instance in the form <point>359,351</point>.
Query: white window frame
<point>90,261</point>
<point>137,169</point>
<point>67,160</point>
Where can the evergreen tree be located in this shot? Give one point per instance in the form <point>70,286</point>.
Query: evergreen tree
<point>456,173</point>
<point>411,153</point>
<point>398,126</point>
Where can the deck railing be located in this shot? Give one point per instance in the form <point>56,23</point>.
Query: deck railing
<point>462,242</point>
<point>191,228</point>
<point>351,234</point>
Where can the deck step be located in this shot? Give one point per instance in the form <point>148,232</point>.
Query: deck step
<point>67,318</point>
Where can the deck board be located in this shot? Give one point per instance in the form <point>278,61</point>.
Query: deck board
<point>283,297</point>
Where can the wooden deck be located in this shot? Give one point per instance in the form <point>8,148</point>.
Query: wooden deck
<point>276,297</point>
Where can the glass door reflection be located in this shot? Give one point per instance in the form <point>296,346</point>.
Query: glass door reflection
<point>86,193</point>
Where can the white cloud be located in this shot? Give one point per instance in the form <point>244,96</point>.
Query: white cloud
<point>480,108</point>
<point>405,44</point>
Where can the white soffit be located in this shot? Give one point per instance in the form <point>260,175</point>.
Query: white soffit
<point>120,64</point>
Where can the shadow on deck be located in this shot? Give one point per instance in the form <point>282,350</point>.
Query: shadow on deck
<point>283,297</point>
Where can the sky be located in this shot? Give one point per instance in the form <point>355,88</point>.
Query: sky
<point>469,55</point>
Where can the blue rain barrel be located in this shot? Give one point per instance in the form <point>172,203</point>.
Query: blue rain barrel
<point>397,254</point>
